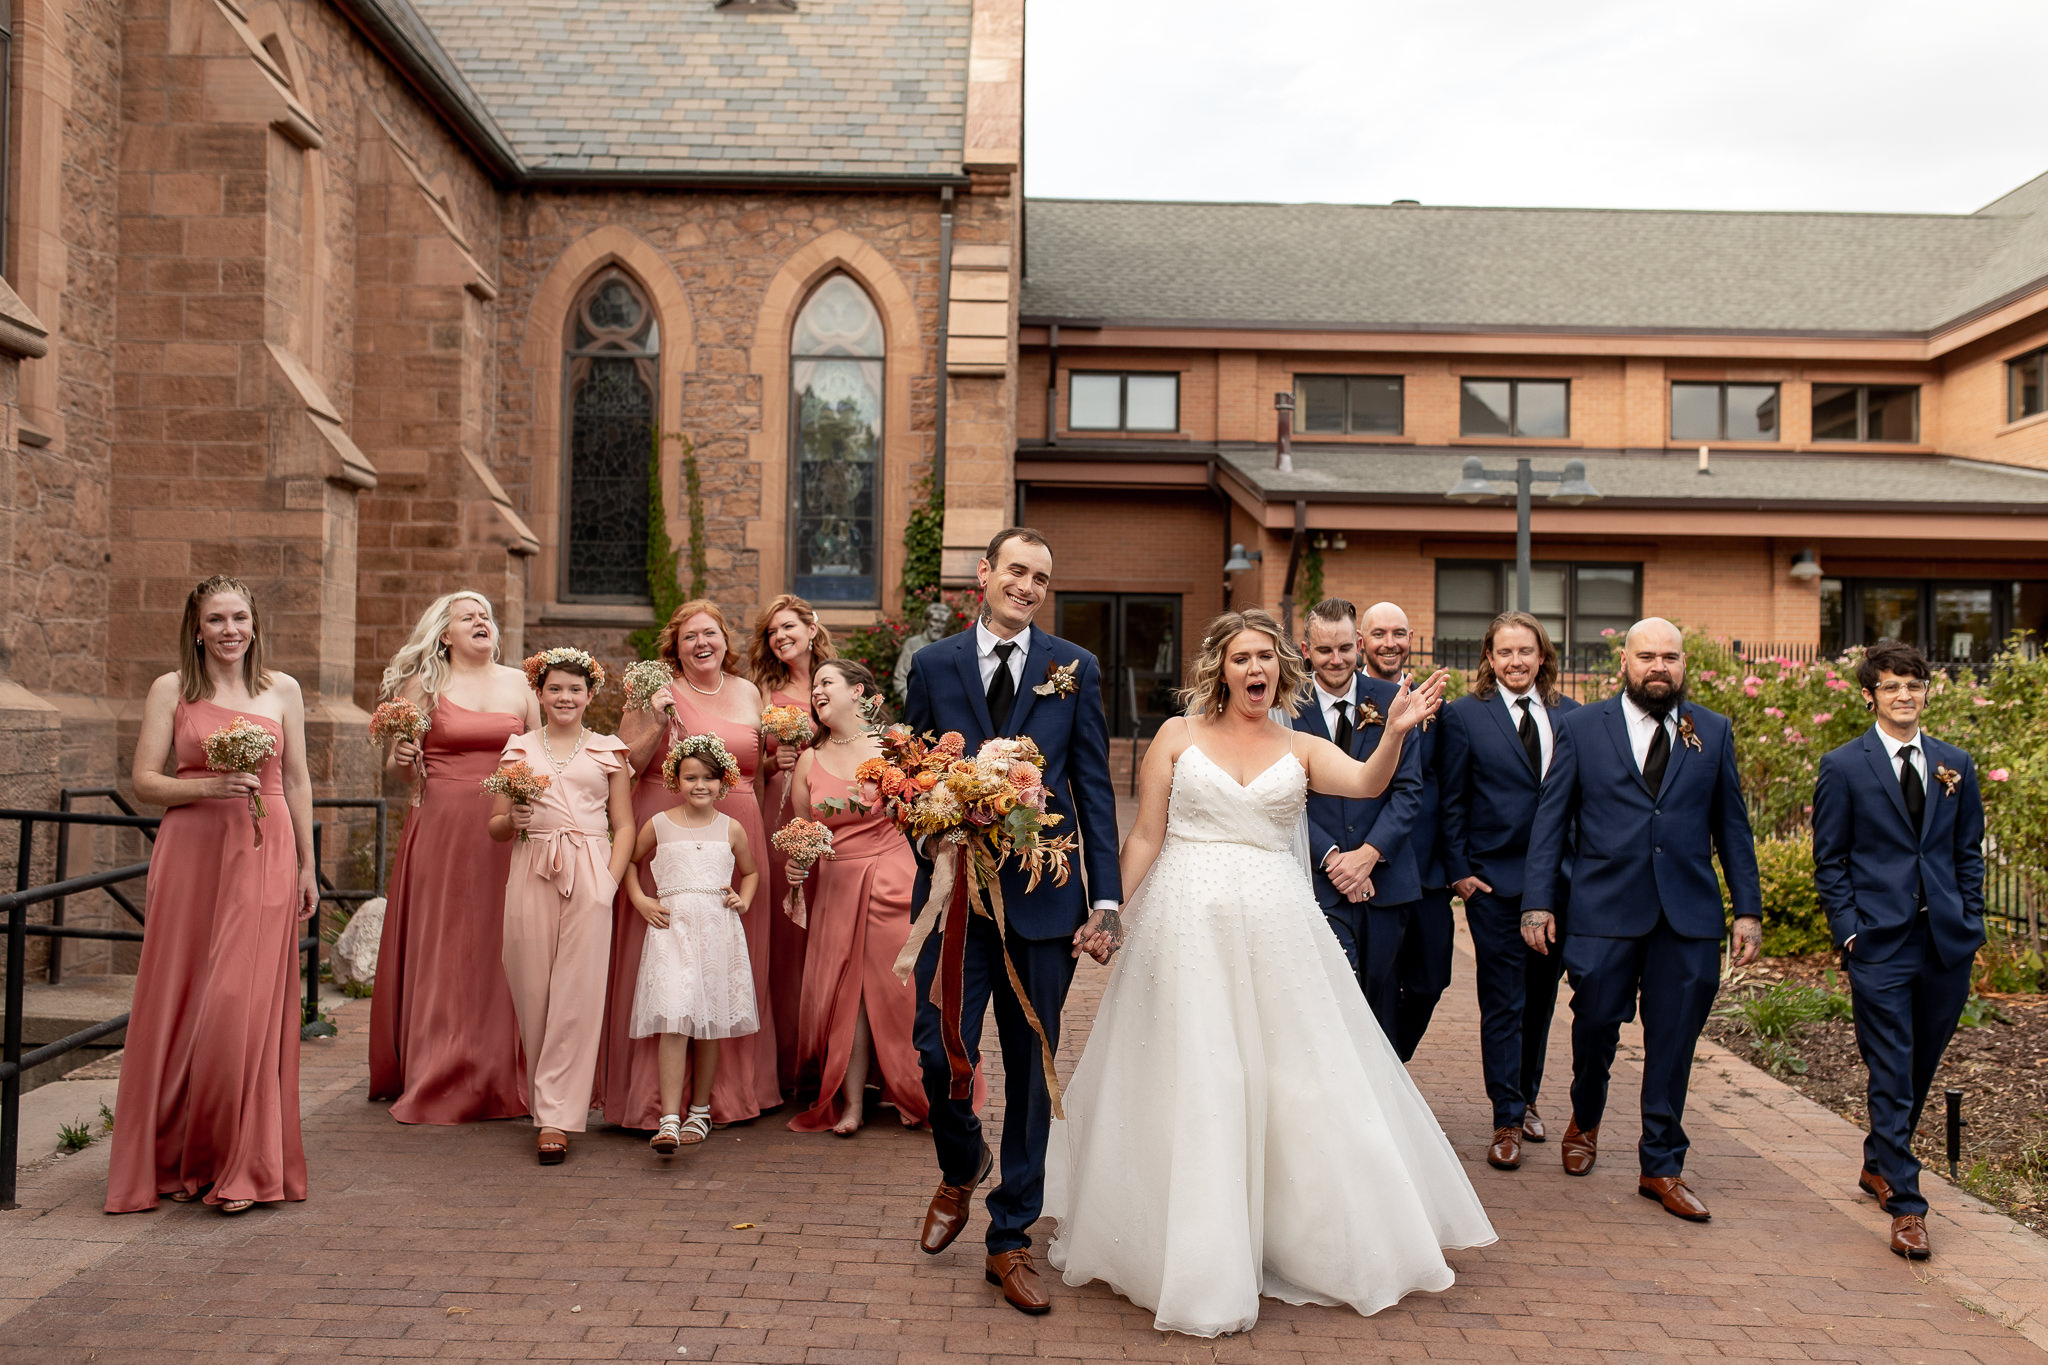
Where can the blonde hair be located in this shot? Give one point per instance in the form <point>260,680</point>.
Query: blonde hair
<point>665,646</point>
<point>193,683</point>
<point>1206,691</point>
<point>769,672</point>
<point>423,656</point>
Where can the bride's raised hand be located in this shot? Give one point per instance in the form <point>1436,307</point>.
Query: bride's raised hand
<point>1412,706</point>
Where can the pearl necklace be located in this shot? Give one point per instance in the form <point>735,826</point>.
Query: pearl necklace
<point>704,692</point>
<point>563,766</point>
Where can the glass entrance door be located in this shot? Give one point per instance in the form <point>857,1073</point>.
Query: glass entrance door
<point>1136,639</point>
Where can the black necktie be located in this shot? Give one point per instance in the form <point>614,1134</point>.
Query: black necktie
<point>1532,743</point>
<point>1343,735</point>
<point>1002,688</point>
<point>1912,788</point>
<point>1655,761</point>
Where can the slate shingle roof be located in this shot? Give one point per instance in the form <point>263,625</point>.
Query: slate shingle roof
<point>1352,266</point>
<point>854,88</point>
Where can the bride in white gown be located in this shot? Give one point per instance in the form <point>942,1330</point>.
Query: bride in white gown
<point>1238,1125</point>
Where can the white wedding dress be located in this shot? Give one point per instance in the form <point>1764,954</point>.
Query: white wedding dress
<point>1238,1125</point>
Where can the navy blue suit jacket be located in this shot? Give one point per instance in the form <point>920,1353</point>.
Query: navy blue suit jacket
<point>945,693</point>
<point>1872,866</point>
<point>1386,821</point>
<point>1640,855</point>
<point>1489,793</point>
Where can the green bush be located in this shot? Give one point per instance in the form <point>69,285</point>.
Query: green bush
<point>1793,920</point>
<point>877,645</point>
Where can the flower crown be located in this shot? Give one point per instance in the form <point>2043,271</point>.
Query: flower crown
<point>711,750</point>
<point>537,665</point>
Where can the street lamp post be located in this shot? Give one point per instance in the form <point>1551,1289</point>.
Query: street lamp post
<point>1476,484</point>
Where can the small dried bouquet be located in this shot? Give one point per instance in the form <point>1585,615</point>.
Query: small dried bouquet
<point>243,747</point>
<point>520,783</point>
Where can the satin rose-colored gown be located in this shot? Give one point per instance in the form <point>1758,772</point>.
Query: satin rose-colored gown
<point>444,1041</point>
<point>786,939</point>
<point>746,1084</point>
<point>860,903</point>
<point>209,1092</point>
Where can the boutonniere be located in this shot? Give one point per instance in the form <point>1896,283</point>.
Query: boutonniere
<point>1948,778</point>
<point>1369,714</point>
<point>1059,682</point>
<point>1688,736</point>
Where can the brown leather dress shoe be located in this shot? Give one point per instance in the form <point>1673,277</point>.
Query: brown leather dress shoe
<point>1506,1152</point>
<point>1876,1186</point>
<point>1909,1237</point>
<point>1011,1271</point>
<point>1532,1125</point>
<point>1672,1192</point>
<point>949,1208</point>
<point>1579,1147</point>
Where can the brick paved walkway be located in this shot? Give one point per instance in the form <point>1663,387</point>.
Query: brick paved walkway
<point>767,1246</point>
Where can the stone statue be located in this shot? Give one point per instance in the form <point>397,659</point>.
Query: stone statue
<point>937,617</point>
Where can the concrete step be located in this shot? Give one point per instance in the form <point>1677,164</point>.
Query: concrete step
<point>53,1012</point>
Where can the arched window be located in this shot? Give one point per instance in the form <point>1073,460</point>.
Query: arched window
<point>612,353</point>
<point>836,446</point>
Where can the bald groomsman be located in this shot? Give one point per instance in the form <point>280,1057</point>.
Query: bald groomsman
<point>1649,781</point>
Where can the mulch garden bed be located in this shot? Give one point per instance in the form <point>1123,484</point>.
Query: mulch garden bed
<point>2000,1065</point>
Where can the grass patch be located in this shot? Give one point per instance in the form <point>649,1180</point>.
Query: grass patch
<point>1775,1015</point>
<point>106,1118</point>
<point>75,1136</point>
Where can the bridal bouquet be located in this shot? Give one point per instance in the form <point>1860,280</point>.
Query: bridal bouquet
<point>399,719</point>
<point>803,842</point>
<point>644,682</point>
<point>243,747</point>
<point>518,781</point>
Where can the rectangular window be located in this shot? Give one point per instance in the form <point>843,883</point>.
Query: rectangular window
<point>1123,402</point>
<point>1356,404</point>
<point>1136,638</point>
<point>1515,407</point>
<point>2026,384</point>
<point>1724,412</point>
<point>1951,621</point>
<point>1866,412</point>
<point>1575,603</point>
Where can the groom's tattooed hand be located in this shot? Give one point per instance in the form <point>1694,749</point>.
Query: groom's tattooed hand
<point>1533,918</point>
<point>1112,924</point>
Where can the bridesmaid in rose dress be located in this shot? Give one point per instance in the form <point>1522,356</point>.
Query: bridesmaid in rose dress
<point>854,1010</point>
<point>209,1095</point>
<point>788,646</point>
<point>707,697</point>
<point>444,1042</point>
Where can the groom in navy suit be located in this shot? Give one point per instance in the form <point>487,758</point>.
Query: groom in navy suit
<point>1007,677</point>
<point>1649,779</point>
<point>1898,856</point>
<point>1496,744</point>
<point>1366,879</point>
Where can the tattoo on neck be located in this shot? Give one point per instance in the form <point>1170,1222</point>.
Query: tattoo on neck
<point>986,618</point>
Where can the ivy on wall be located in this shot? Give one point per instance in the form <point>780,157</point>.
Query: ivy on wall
<point>923,537</point>
<point>664,559</point>
<point>1308,587</point>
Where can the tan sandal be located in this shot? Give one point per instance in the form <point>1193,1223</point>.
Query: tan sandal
<point>237,1205</point>
<point>552,1148</point>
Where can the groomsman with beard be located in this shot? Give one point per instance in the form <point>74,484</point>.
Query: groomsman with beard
<point>1366,878</point>
<point>1649,781</point>
<point>1898,856</point>
<point>1422,966</point>
<point>1496,745</point>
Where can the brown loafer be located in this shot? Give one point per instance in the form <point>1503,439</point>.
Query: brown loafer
<point>1579,1147</point>
<point>949,1208</point>
<point>1876,1186</point>
<point>1506,1152</point>
<point>1011,1271</point>
<point>1909,1237</point>
<point>1677,1198</point>
<point>1532,1125</point>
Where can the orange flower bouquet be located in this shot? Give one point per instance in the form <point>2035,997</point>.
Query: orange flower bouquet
<point>243,747</point>
<point>399,719</point>
<point>518,781</point>
<point>803,842</point>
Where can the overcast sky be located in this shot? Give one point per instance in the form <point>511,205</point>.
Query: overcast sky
<point>1913,106</point>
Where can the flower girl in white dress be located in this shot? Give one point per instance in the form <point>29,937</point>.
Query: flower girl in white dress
<point>696,981</point>
<point>1238,1125</point>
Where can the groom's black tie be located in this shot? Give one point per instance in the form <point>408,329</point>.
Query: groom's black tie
<point>1532,743</point>
<point>1911,788</point>
<point>1655,761</point>
<point>1002,688</point>
<point>1343,736</point>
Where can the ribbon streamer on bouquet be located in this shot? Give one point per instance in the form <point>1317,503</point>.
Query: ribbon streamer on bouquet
<point>947,911</point>
<point>793,906</point>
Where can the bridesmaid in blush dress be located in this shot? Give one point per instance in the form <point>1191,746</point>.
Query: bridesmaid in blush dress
<point>854,1009</point>
<point>444,1041</point>
<point>789,644</point>
<point>707,697</point>
<point>209,1094</point>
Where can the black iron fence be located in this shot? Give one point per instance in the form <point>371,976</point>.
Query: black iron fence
<point>15,1063</point>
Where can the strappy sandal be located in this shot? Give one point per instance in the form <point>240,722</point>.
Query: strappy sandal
<point>181,1196</point>
<point>697,1126</point>
<point>237,1205</point>
<point>669,1136</point>
<point>552,1148</point>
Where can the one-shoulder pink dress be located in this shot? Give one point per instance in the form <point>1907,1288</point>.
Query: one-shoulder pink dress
<point>209,1092</point>
<point>444,1041</point>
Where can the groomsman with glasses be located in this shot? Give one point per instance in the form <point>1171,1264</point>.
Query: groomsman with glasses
<point>1898,834</point>
<point>1495,747</point>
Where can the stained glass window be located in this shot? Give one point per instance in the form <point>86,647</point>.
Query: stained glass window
<point>612,369</point>
<point>836,440</point>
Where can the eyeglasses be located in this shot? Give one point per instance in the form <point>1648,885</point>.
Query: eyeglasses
<point>1915,687</point>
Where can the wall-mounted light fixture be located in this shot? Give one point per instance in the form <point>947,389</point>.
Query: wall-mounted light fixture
<point>1805,566</point>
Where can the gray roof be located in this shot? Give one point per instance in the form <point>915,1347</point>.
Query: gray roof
<point>1424,268</point>
<point>838,88</point>
<point>1649,478</point>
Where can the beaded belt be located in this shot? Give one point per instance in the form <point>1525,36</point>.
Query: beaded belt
<point>666,891</point>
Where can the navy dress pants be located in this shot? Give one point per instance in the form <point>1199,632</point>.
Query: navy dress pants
<point>1422,969</point>
<point>1517,996</point>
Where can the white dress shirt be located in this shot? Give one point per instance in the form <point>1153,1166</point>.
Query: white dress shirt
<point>985,642</point>
<point>1893,747</point>
<point>1642,725</point>
<point>1330,701</point>
<point>1513,701</point>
